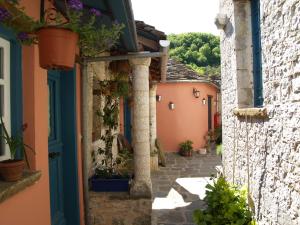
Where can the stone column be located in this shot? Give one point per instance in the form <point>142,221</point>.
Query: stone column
<point>153,131</point>
<point>141,185</point>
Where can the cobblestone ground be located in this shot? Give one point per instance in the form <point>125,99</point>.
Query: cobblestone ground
<point>178,188</point>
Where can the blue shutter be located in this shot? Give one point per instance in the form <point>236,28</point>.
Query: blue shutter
<point>257,61</point>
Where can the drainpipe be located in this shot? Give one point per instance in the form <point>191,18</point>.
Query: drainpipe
<point>87,121</point>
<point>164,48</point>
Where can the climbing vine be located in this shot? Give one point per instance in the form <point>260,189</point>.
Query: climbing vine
<point>112,89</point>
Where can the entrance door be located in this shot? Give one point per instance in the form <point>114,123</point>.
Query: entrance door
<point>62,148</point>
<point>55,149</point>
<point>209,104</point>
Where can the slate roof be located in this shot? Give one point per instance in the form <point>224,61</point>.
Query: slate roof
<point>149,31</point>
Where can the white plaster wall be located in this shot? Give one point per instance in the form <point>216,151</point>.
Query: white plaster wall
<point>274,143</point>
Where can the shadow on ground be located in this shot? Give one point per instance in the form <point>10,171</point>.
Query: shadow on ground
<point>179,188</point>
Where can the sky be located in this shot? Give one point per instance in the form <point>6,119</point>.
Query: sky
<point>178,16</point>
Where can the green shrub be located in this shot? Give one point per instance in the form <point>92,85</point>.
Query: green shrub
<point>226,205</point>
<point>186,146</point>
<point>219,149</point>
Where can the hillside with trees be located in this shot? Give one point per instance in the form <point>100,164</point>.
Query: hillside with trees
<point>199,51</point>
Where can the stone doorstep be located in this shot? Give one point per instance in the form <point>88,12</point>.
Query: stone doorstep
<point>9,189</point>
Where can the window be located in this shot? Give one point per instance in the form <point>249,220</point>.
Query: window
<point>248,53</point>
<point>256,43</point>
<point>5,103</point>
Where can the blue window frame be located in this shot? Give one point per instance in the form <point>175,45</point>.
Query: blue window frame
<point>257,59</point>
<point>15,81</point>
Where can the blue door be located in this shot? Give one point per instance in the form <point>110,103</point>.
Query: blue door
<point>62,148</point>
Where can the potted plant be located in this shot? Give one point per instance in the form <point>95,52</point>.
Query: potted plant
<point>111,175</point>
<point>186,148</point>
<point>60,34</point>
<point>12,169</point>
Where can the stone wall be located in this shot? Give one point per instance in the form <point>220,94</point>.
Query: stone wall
<point>269,149</point>
<point>119,209</point>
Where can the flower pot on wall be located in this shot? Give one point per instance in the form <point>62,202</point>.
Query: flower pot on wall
<point>57,48</point>
<point>11,170</point>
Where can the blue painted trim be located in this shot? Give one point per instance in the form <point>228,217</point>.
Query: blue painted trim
<point>69,137</point>
<point>55,138</point>
<point>15,80</point>
<point>127,120</point>
<point>257,57</point>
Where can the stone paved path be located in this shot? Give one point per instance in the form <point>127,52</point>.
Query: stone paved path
<point>179,187</point>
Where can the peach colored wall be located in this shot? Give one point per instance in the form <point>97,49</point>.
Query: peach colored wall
<point>32,206</point>
<point>189,119</point>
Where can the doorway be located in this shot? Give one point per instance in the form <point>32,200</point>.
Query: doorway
<point>209,104</point>
<point>62,147</point>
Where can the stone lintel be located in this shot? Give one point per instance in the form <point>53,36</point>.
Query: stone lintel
<point>251,112</point>
<point>9,189</point>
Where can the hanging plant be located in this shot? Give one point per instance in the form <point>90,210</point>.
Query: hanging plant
<point>60,33</point>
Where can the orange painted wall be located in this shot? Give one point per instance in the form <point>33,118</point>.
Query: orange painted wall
<point>32,206</point>
<point>189,119</point>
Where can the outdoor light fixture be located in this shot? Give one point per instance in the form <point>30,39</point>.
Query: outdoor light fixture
<point>204,101</point>
<point>171,106</point>
<point>158,98</point>
<point>196,93</point>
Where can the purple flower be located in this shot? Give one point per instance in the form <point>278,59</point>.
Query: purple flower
<point>75,5</point>
<point>4,14</point>
<point>22,36</point>
<point>95,12</point>
<point>116,22</point>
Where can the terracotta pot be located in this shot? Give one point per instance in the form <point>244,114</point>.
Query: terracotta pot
<point>12,170</point>
<point>57,48</point>
<point>186,153</point>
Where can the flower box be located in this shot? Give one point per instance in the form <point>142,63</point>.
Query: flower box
<point>115,184</point>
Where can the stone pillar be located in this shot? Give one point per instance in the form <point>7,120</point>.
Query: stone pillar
<point>153,131</point>
<point>141,185</point>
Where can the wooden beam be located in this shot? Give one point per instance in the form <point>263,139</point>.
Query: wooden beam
<point>149,43</point>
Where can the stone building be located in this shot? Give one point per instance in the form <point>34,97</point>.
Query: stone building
<point>261,104</point>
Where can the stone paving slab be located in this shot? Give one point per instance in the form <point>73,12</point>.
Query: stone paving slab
<point>178,188</point>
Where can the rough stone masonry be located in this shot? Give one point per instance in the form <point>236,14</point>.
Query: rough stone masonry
<point>263,152</point>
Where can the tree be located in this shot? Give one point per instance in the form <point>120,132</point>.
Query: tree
<point>199,51</point>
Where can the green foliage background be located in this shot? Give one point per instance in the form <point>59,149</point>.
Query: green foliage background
<point>199,51</point>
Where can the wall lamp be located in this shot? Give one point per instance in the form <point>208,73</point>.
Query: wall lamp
<point>204,101</point>
<point>171,106</point>
<point>158,98</point>
<point>196,93</point>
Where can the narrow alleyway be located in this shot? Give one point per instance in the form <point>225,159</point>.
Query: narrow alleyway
<point>178,188</point>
